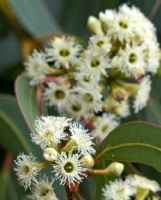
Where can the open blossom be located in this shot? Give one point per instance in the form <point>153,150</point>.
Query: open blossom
<point>86,80</point>
<point>49,130</point>
<point>123,27</point>
<point>128,188</point>
<point>91,97</point>
<point>57,93</point>
<point>36,67</point>
<point>100,43</point>
<point>143,182</point>
<point>73,107</point>
<point>63,51</point>
<point>103,125</point>
<point>151,52</point>
<point>142,94</point>
<point>68,168</point>
<point>26,169</point>
<point>130,61</point>
<point>82,138</point>
<point>94,63</point>
<point>118,190</point>
<point>43,190</point>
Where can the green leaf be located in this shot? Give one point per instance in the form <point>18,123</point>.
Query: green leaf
<point>35,17</point>
<point>133,142</point>
<point>14,134</point>
<point>27,100</point>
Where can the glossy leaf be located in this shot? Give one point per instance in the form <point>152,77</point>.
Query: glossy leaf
<point>35,17</point>
<point>27,100</point>
<point>14,134</point>
<point>133,142</point>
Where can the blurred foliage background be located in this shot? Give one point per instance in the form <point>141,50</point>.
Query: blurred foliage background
<point>26,24</point>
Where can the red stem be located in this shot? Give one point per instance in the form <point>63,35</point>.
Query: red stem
<point>87,122</point>
<point>70,190</point>
<point>69,193</point>
<point>39,99</point>
<point>50,79</point>
<point>7,161</point>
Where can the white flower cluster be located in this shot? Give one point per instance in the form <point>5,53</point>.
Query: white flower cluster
<point>97,81</point>
<point>67,147</point>
<point>133,186</point>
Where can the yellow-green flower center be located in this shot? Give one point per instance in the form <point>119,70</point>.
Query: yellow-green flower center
<point>36,67</point>
<point>95,63</point>
<point>60,94</point>
<point>104,128</point>
<point>88,97</point>
<point>76,107</point>
<point>48,134</point>
<point>123,24</point>
<point>120,191</point>
<point>100,43</point>
<point>26,169</point>
<point>44,192</point>
<point>68,167</point>
<point>64,52</point>
<point>132,58</point>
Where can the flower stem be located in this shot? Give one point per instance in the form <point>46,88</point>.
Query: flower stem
<point>39,99</point>
<point>70,195</point>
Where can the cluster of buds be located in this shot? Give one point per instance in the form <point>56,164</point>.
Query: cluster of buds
<point>68,150</point>
<point>97,82</point>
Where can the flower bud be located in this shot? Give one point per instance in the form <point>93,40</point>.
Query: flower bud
<point>115,168</point>
<point>87,161</point>
<point>50,154</point>
<point>94,25</point>
<point>120,94</point>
